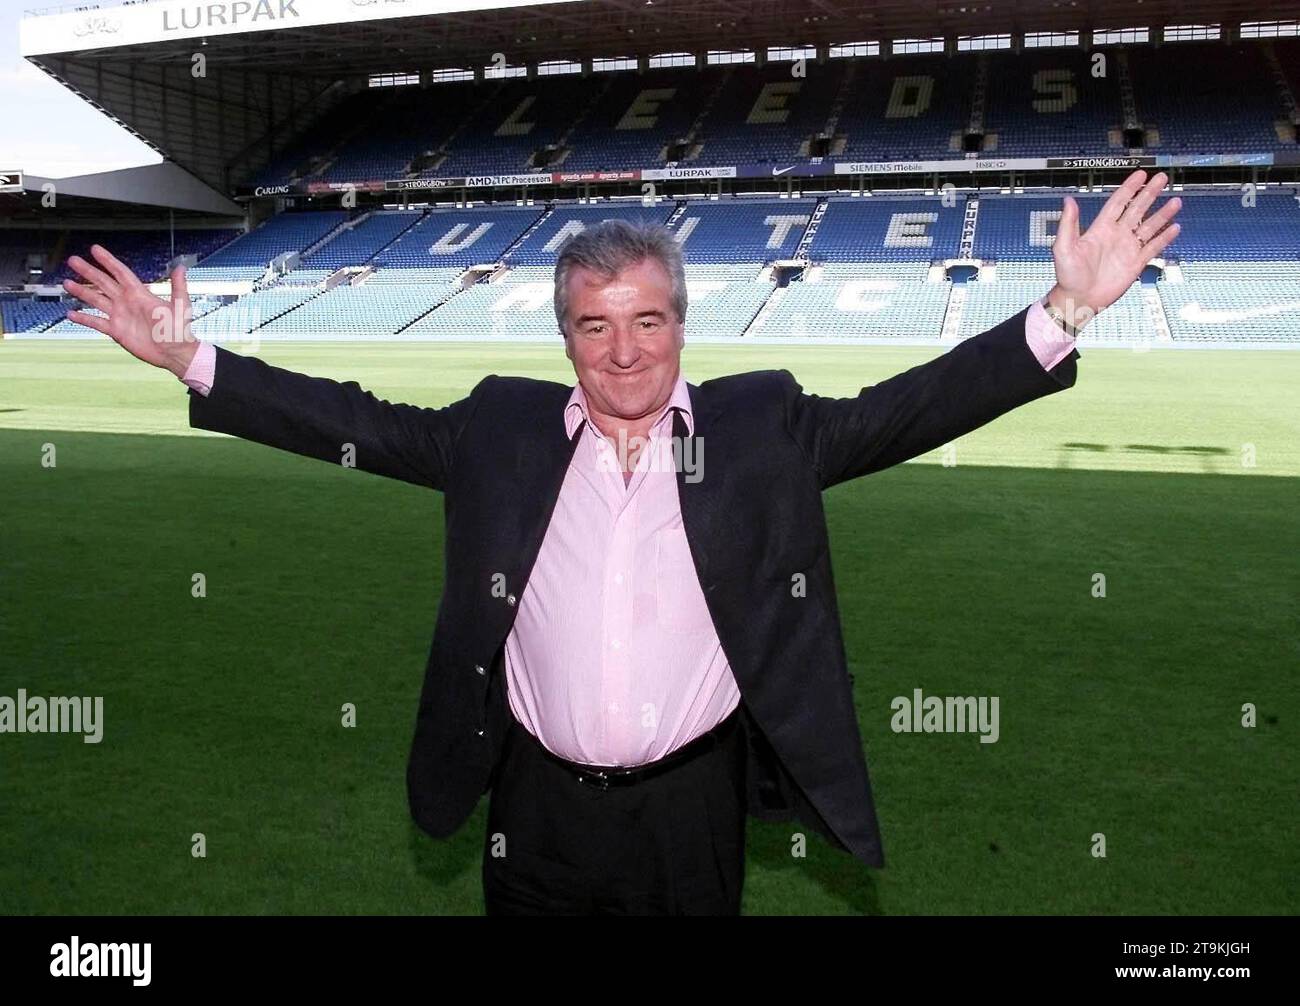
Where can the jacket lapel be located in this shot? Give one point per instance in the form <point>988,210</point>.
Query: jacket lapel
<point>543,455</point>
<point>699,480</point>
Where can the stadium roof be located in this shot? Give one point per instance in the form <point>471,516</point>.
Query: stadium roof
<point>145,194</point>
<point>395,38</point>
<point>264,79</point>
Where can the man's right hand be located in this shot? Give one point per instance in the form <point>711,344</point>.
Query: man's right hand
<point>148,327</point>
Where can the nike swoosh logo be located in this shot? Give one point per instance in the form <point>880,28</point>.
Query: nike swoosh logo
<point>1194,312</point>
<point>782,171</point>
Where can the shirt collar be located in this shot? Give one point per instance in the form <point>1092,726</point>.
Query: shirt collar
<point>575,410</point>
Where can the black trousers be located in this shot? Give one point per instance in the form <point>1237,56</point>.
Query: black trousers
<point>670,845</point>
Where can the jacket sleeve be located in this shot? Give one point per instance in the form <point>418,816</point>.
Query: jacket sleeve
<point>925,407</point>
<point>318,417</point>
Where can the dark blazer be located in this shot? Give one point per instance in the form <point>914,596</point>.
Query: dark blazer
<point>752,521</point>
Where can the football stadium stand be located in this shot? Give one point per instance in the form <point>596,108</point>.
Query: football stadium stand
<point>837,268</point>
<point>889,231</point>
<point>541,245</point>
<point>636,118</point>
<point>147,252</point>
<point>462,238</point>
<point>742,230</point>
<point>416,260</point>
<point>906,109</point>
<point>1229,104</point>
<point>249,256</point>
<point>766,115</point>
<point>1048,103</point>
<point>1056,101</point>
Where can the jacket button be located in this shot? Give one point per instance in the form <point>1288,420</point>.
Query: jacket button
<point>479,668</point>
<point>511,600</point>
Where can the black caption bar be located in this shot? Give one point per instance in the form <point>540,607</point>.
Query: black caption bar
<point>216,954</point>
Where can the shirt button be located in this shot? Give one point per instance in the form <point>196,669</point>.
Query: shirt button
<point>617,645</point>
<point>618,577</point>
<point>511,600</point>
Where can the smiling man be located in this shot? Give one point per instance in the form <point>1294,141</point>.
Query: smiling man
<point>629,659</point>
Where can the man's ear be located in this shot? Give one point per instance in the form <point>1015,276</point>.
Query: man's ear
<point>568,349</point>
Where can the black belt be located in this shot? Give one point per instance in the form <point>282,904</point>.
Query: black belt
<point>603,777</point>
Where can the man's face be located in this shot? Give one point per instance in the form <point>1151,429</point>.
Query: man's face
<point>624,339</point>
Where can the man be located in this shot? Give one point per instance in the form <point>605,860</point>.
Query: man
<point>639,642</point>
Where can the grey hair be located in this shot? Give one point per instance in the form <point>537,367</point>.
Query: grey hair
<point>614,245</point>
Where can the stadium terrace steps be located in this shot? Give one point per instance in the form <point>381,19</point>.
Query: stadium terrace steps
<point>875,271</point>
<point>437,155</point>
<point>1038,102</point>
<point>463,237</point>
<point>360,240</point>
<point>635,119</point>
<point>247,257</point>
<point>540,245</point>
<point>1229,106</point>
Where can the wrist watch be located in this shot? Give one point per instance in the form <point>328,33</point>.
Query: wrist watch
<point>1058,316</point>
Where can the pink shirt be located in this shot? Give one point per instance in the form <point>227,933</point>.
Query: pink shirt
<point>613,658</point>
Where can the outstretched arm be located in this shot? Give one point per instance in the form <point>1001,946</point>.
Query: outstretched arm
<point>925,407</point>
<point>248,398</point>
<point>995,371</point>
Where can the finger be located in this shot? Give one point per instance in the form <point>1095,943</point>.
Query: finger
<point>179,286</point>
<point>1157,244</point>
<point>1067,228</point>
<point>1158,219</point>
<point>88,295</point>
<point>110,262</point>
<point>94,275</point>
<point>90,321</point>
<point>1121,196</point>
<point>1137,208</point>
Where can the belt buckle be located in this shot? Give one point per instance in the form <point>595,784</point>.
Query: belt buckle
<point>600,779</point>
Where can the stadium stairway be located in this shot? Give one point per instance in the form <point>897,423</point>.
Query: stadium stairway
<point>952,315</point>
<point>970,221</point>
<point>805,242</point>
<point>833,115</point>
<point>561,143</point>
<point>979,93</point>
<point>1289,125</point>
<point>692,148</point>
<point>1155,310</point>
<point>439,153</point>
<point>344,225</point>
<point>527,232</point>
<point>675,216</point>
<point>769,307</point>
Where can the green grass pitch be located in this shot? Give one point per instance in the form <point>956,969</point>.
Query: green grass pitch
<point>1118,715</point>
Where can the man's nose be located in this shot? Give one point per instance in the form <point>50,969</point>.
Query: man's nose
<point>624,350</point>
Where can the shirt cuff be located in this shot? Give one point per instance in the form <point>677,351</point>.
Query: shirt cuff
<point>1048,340</point>
<point>202,370</point>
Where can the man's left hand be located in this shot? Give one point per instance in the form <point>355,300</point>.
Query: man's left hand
<point>1094,269</point>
